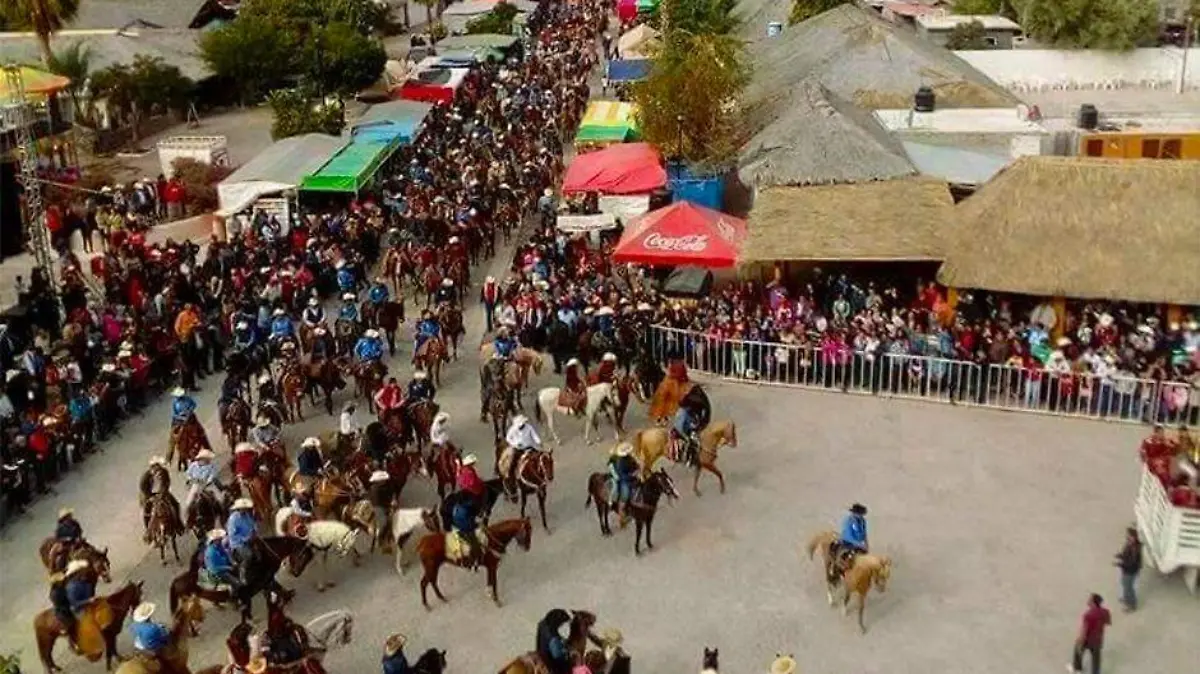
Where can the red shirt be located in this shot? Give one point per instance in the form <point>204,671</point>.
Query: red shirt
<point>1095,619</point>
<point>245,463</point>
<point>469,481</point>
<point>39,443</point>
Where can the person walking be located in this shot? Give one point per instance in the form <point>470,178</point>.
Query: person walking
<point>1091,635</point>
<point>1129,561</point>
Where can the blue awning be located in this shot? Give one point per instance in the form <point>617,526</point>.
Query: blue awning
<point>392,120</point>
<point>628,71</point>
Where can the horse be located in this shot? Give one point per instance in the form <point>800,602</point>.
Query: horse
<point>431,549</point>
<point>205,513</point>
<point>404,522</point>
<point>187,619</point>
<point>431,661</point>
<point>496,394</point>
<point>97,559</point>
<point>389,317</point>
<point>235,422</point>
<point>525,359</point>
<point>451,320</point>
<point>534,473</point>
<point>599,398</point>
<point>430,357</point>
<point>292,386</point>
<point>443,465</point>
<point>104,617</point>
<point>187,438</point>
<point>326,376</point>
<point>368,378</point>
<point>420,416</point>
<point>326,633</point>
<point>643,503</point>
<point>163,527</point>
<point>626,385</point>
<point>270,552</point>
<point>866,570</point>
<point>578,635</point>
<point>323,536</point>
<point>652,444</point>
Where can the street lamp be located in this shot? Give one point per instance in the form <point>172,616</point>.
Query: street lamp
<point>679,147</point>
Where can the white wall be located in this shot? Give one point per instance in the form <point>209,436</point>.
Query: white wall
<point>1043,69</point>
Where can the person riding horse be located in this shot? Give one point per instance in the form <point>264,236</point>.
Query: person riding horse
<point>60,601</point>
<point>378,293</point>
<point>381,492</point>
<point>68,534</point>
<point>369,348</point>
<point>245,339</point>
<point>283,331</point>
<point>149,637</point>
<point>219,566</point>
<point>156,482</point>
<point>389,397</point>
<point>348,312</point>
<point>446,294</point>
<point>233,388</point>
<point>607,372</point>
<point>268,391</point>
<point>428,328</point>
<point>264,435</point>
<point>284,642</point>
<point>322,346</point>
<point>419,391</point>
<point>394,660</point>
<point>552,646</point>
<point>242,530</point>
<point>504,344</point>
<point>183,409</point>
<point>439,432</point>
<point>310,462</point>
<point>464,517</point>
<point>853,539</point>
<point>574,392</point>
<point>202,475</point>
<point>347,278</point>
<point>686,428</point>
<point>313,315</point>
<point>622,474</point>
<point>521,437</point>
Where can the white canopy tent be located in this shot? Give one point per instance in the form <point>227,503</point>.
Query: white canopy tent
<point>280,167</point>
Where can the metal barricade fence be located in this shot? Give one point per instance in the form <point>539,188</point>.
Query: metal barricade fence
<point>933,379</point>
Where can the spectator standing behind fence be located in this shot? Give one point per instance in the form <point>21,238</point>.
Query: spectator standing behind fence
<point>1091,635</point>
<point>1129,561</point>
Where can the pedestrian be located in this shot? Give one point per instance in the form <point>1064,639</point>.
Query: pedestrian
<point>1091,635</point>
<point>1129,560</point>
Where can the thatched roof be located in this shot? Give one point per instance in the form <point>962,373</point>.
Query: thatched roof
<point>892,220</point>
<point>1126,229</point>
<point>808,136</point>
<point>868,61</point>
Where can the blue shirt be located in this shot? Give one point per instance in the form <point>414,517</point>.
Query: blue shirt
<point>241,528</point>
<point>854,531</point>
<point>428,328</point>
<point>281,327</point>
<point>81,408</point>
<point>348,312</point>
<point>182,408</point>
<point>420,389</point>
<point>345,279</point>
<point>217,559</point>
<point>395,664</point>
<point>148,636</point>
<point>378,293</point>
<point>202,473</point>
<point>244,339</point>
<point>504,347</point>
<point>368,349</point>
<point>684,424</point>
<point>463,518</point>
<point>79,592</point>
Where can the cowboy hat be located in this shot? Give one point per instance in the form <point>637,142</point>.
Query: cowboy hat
<point>143,612</point>
<point>311,442</point>
<point>419,374</point>
<point>75,566</point>
<point>178,392</point>
<point>48,420</point>
<point>262,421</point>
<point>573,362</point>
<point>447,282</point>
<point>242,504</point>
<point>470,460</point>
<point>372,333</point>
<point>624,449</point>
<point>348,407</point>
<point>1106,320</point>
<point>784,664</point>
<point>65,512</point>
<point>858,509</point>
<point>277,312</point>
<point>642,306</point>
<point>610,357</point>
<point>264,378</point>
<point>520,420</point>
<point>379,476</point>
<point>314,302</point>
<point>204,454</point>
<point>11,375</point>
<point>394,643</point>
<point>1192,325</point>
<point>1063,341</point>
<point>243,447</point>
<point>124,353</point>
<point>111,367</point>
<point>257,665</point>
<point>216,534</point>
<point>454,239</point>
<point>604,311</point>
<point>319,330</point>
<point>348,296</point>
<point>159,461</point>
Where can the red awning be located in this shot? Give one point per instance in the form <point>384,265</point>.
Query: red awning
<point>682,233</point>
<point>627,168</point>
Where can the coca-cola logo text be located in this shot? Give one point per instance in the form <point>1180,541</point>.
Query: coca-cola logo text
<point>693,243</point>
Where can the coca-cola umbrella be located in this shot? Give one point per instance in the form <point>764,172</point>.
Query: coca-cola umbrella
<point>682,233</point>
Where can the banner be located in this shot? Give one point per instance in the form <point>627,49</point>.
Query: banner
<point>625,209</point>
<point>586,223</point>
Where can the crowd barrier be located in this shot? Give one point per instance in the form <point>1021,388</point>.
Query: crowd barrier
<point>934,379</point>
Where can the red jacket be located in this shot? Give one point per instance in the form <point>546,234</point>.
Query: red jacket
<point>469,481</point>
<point>39,443</point>
<point>245,464</point>
<point>389,397</point>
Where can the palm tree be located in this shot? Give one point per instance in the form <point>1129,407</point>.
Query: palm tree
<point>43,17</point>
<point>75,64</point>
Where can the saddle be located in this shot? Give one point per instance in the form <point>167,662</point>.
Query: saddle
<point>506,459</point>
<point>209,583</point>
<point>148,662</point>
<point>457,549</point>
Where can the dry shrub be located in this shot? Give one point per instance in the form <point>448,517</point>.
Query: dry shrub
<point>199,183</point>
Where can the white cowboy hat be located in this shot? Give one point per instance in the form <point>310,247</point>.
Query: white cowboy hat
<point>1106,320</point>
<point>490,279</point>
<point>205,454</point>
<point>262,421</point>
<point>1063,341</point>
<point>372,333</point>
<point>520,420</point>
<point>277,312</point>
<point>419,374</point>
<point>242,325</point>
<point>76,565</point>
<point>11,375</point>
<point>447,282</point>
<point>348,296</point>
<point>143,612</point>
<point>548,192</point>
<point>243,447</point>
<point>64,512</point>
<point>642,306</point>
<point>264,378</point>
<point>216,534</point>
<point>242,504</point>
<point>48,420</point>
<point>604,311</point>
<point>311,442</point>
<point>610,357</point>
<point>1145,329</point>
<point>784,664</point>
<point>573,361</point>
<point>454,239</point>
<point>624,449</point>
<point>379,476</point>
<point>394,643</point>
<point>588,311</point>
<point>314,302</point>
<point>124,353</point>
<point>178,392</point>
<point>319,330</point>
<point>470,460</point>
<point>111,367</point>
<point>340,264</point>
<point>1192,325</point>
<point>159,461</point>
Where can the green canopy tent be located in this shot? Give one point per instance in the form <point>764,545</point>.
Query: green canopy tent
<point>353,167</point>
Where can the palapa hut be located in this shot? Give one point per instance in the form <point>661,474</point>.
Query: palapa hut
<point>1125,229</point>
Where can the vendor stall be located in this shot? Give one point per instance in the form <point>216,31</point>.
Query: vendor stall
<point>433,84</point>
<point>631,168</point>
<point>607,122</point>
<point>630,70</point>
<point>682,234</point>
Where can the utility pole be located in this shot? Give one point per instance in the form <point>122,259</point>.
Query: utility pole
<point>1181,86</point>
<point>26,147</point>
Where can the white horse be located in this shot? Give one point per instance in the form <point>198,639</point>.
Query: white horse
<point>601,397</point>
<point>324,536</point>
<point>404,524</point>
<point>330,631</point>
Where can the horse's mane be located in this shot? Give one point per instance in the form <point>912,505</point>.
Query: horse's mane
<point>324,627</point>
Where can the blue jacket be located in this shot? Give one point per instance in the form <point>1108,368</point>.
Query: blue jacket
<point>396,664</point>
<point>368,348</point>
<point>217,559</point>
<point>854,531</point>
<point>148,636</point>
<point>245,339</point>
<point>378,294</point>
<point>623,468</point>
<point>282,327</point>
<point>428,328</point>
<point>463,518</point>
<point>231,389</point>
<point>345,279</point>
<point>182,408</point>
<point>348,312</point>
<point>684,424</point>
<point>79,592</point>
<point>420,389</point>
<point>81,408</point>
<point>241,528</point>
<point>504,347</point>
<point>308,463</point>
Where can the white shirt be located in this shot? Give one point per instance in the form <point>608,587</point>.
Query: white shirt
<point>523,437</point>
<point>439,434</point>
<point>348,426</point>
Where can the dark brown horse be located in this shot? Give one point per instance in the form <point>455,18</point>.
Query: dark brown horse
<point>494,539</point>
<point>235,422</point>
<point>451,320</point>
<point>292,387</point>
<point>443,465</point>
<point>55,557</point>
<point>390,315</point>
<point>324,376</point>
<point>185,440</point>
<point>163,527</point>
<point>642,504</point>
<point>205,513</point>
<point>96,631</point>
<point>368,378</point>
<point>533,475</point>
<point>270,553</point>
<point>430,358</point>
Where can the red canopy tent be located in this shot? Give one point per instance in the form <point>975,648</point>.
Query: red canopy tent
<point>626,168</point>
<point>682,233</point>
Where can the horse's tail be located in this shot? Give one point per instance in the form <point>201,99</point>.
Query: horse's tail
<point>822,539</point>
<point>537,413</point>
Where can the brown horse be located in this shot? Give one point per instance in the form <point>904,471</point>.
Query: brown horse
<point>625,385</point>
<point>443,465</point>
<point>187,438</point>
<point>163,527</point>
<point>325,375</point>
<point>865,570</point>
<point>527,360</point>
<point>55,557</point>
<point>187,619</point>
<point>235,422</point>
<point>97,629</point>
<point>534,473</point>
<point>421,417</point>
<point>430,357</point>
<point>643,503</point>
<point>389,318</point>
<point>292,387</point>
<point>451,320</point>
<point>368,378</point>
<point>431,549</point>
<point>652,444</point>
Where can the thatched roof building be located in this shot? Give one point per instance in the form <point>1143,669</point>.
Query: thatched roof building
<point>886,221</point>
<point>1125,229</point>
<point>809,136</point>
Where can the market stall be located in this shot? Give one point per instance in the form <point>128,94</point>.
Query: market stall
<point>433,84</point>
<point>637,42</point>
<point>607,122</point>
<point>279,168</point>
<point>394,120</point>
<point>353,167</point>
<point>682,234</point>
<point>628,70</point>
<point>630,168</point>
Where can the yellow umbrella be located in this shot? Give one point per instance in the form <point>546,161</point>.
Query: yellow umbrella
<point>38,82</point>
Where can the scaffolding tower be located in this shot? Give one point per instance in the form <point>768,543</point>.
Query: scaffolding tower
<point>38,235</point>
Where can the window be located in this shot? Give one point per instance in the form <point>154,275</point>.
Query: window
<point>1095,148</point>
<point>1172,148</point>
<point>1150,148</point>
<point>990,41</point>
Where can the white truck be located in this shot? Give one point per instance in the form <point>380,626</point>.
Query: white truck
<point>213,150</point>
<point>1170,534</point>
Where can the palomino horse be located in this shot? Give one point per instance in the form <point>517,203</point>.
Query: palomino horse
<point>600,398</point>
<point>864,571</point>
<point>187,620</point>
<point>235,422</point>
<point>534,473</point>
<point>163,527</point>
<point>652,444</point>
<point>55,557</point>
<point>430,357</point>
<point>187,438</point>
<point>526,360</point>
<point>431,549</point>
<point>643,503</point>
<point>331,494</point>
<point>324,536</point>
<point>96,631</point>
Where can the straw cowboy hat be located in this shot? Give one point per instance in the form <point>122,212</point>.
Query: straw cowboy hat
<point>394,643</point>
<point>604,311</point>
<point>419,374</point>
<point>454,239</point>
<point>314,302</point>
<point>611,637</point>
<point>1063,341</point>
<point>65,512</point>
<point>158,461</point>
<point>573,362</point>
<point>125,353</point>
<point>277,312</point>
<point>1106,320</point>
<point>624,449</point>
<point>784,664</point>
<point>379,476</point>
<point>443,417</point>
<point>111,367</point>
<point>206,454</point>
<point>178,392</point>
<point>262,421</point>
<point>447,282</point>
<point>372,333</point>
<point>242,504</point>
<point>257,665</point>
<point>348,296</point>
<point>143,612</point>
<point>75,566</point>
<point>470,460</point>
<point>311,442</point>
<point>610,357</point>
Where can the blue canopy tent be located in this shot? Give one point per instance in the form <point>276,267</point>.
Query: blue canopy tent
<point>395,120</point>
<point>628,71</point>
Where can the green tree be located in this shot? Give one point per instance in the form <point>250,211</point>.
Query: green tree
<point>1091,24</point>
<point>969,35</point>
<point>148,85</point>
<point>297,111</point>
<point>252,53</point>
<point>702,17</point>
<point>987,7</point>
<point>498,21</point>
<point>803,10</point>
<point>303,16</point>
<point>688,104</point>
<point>75,63</point>
<point>42,17</point>
<point>338,59</point>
